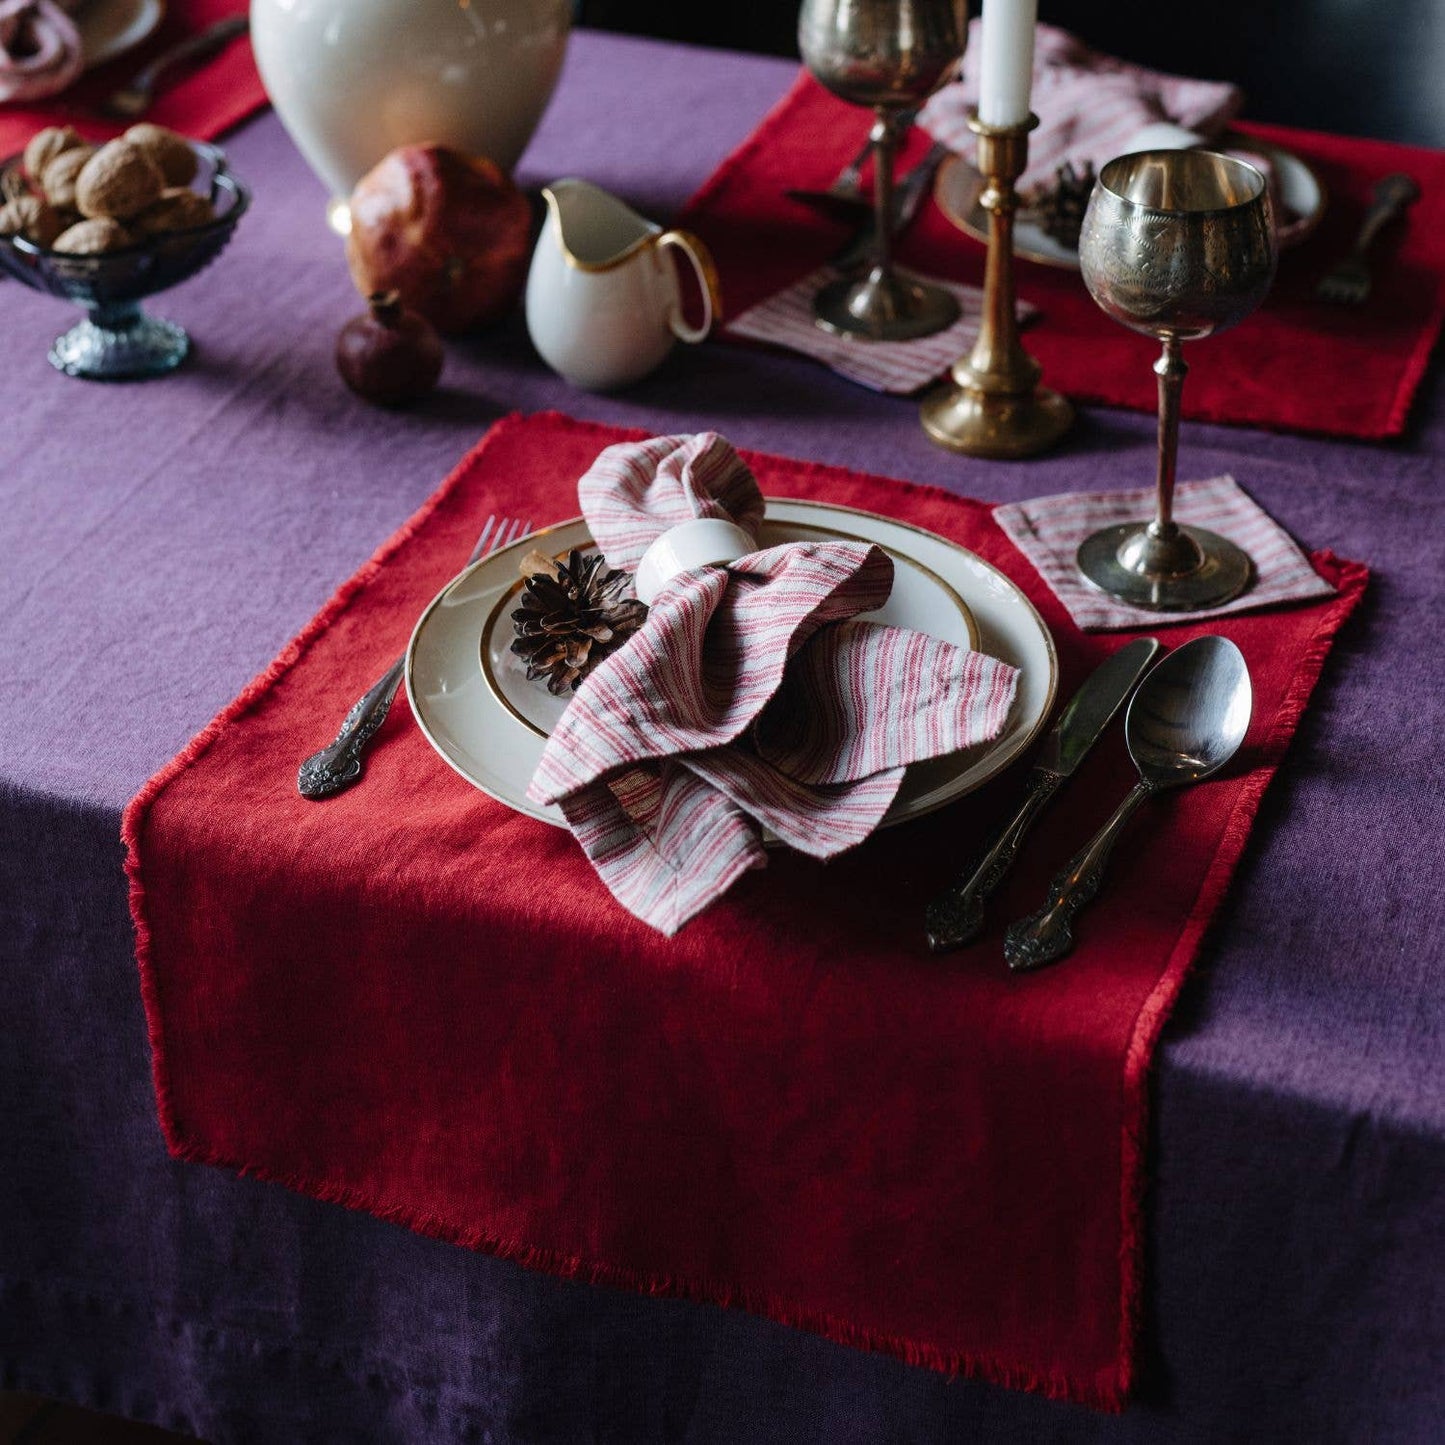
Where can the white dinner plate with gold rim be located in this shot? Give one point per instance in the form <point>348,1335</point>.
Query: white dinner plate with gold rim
<point>475,706</point>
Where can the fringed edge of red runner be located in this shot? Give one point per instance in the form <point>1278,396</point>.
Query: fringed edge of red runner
<point>751,142</point>
<point>1386,424</point>
<point>242,108</point>
<point>1350,580</point>
<point>1349,577</point>
<point>133,819</point>
<point>695,1289</point>
<point>1414,373</point>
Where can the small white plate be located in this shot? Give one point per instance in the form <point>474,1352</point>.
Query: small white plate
<point>109,28</point>
<point>958,186</point>
<point>476,708</point>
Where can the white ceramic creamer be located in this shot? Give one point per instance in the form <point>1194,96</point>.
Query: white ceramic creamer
<point>603,301</point>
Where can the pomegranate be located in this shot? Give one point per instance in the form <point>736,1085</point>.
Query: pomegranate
<point>389,355</point>
<point>451,235</point>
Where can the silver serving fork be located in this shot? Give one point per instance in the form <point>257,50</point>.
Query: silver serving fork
<point>338,765</point>
<point>1348,282</point>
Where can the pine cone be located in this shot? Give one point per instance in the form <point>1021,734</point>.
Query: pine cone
<point>1060,209</point>
<point>573,615</point>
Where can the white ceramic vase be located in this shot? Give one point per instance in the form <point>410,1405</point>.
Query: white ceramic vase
<point>354,79</point>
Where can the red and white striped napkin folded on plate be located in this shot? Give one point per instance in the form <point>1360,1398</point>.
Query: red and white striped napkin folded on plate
<point>898,367</point>
<point>1090,106</point>
<point>751,698</point>
<point>1048,531</point>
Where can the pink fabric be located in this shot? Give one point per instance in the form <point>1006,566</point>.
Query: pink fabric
<point>899,367</point>
<point>1048,530</point>
<point>751,698</point>
<point>1089,105</point>
<point>40,49</point>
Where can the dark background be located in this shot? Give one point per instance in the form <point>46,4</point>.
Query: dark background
<point>1360,67</point>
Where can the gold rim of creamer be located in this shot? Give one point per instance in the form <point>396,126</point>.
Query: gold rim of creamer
<point>596,268</point>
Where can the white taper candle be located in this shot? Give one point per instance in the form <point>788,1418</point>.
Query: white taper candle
<point>1006,71</point>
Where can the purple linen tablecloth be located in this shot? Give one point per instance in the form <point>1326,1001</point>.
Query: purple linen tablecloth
<point>160,544</point>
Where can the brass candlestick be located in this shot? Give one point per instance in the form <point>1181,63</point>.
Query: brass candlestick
<point>994,406</point>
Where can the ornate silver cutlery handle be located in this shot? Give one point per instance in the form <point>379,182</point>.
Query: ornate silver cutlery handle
<point>338,765</point>
<point>956,917</point>
<point>1046,936</point>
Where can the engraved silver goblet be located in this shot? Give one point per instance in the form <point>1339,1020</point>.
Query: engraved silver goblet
<point>891,55</point>
<point>1179,245</point>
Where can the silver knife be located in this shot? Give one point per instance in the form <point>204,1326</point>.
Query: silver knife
<point>955,917</point>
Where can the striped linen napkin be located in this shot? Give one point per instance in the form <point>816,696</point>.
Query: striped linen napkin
<point>1091,107</point>
<point>40,48</point>
<point>898,367</point>
<point>1048,531</point>
<point>752,697</point>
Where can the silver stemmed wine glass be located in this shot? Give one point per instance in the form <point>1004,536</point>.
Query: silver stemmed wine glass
<point>1178,245</point>
<point>891,55</point>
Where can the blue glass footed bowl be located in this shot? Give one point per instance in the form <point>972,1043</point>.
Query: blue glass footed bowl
<point>117,340</point>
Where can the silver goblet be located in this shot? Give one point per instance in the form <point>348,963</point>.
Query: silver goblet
<point>891,55</point>
<point>1179,245</point>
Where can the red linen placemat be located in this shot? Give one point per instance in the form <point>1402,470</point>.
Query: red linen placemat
<point>202,102</point>
<point>412,1001</point>
<point>1297,364</point>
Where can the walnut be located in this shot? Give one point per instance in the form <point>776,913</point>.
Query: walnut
<point>177,209</point>
<point>172,152</point>
<point>118,181</point>
<point>45,145</point>
<point>58,178</point>
<point>31,217</point>
<point>89,238</point>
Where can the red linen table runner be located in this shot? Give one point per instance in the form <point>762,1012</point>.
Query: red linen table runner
<point>1297,364</point>
<point>201,102</point>
<point>413,1001</point>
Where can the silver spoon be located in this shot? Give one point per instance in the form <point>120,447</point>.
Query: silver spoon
<point>1185,723</point>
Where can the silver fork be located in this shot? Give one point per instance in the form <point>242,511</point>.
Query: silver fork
<point>134,98</point>
<point>846,192</point>
<point>1348,282</point>
<point>338,765</point>
<point>907,198</point>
